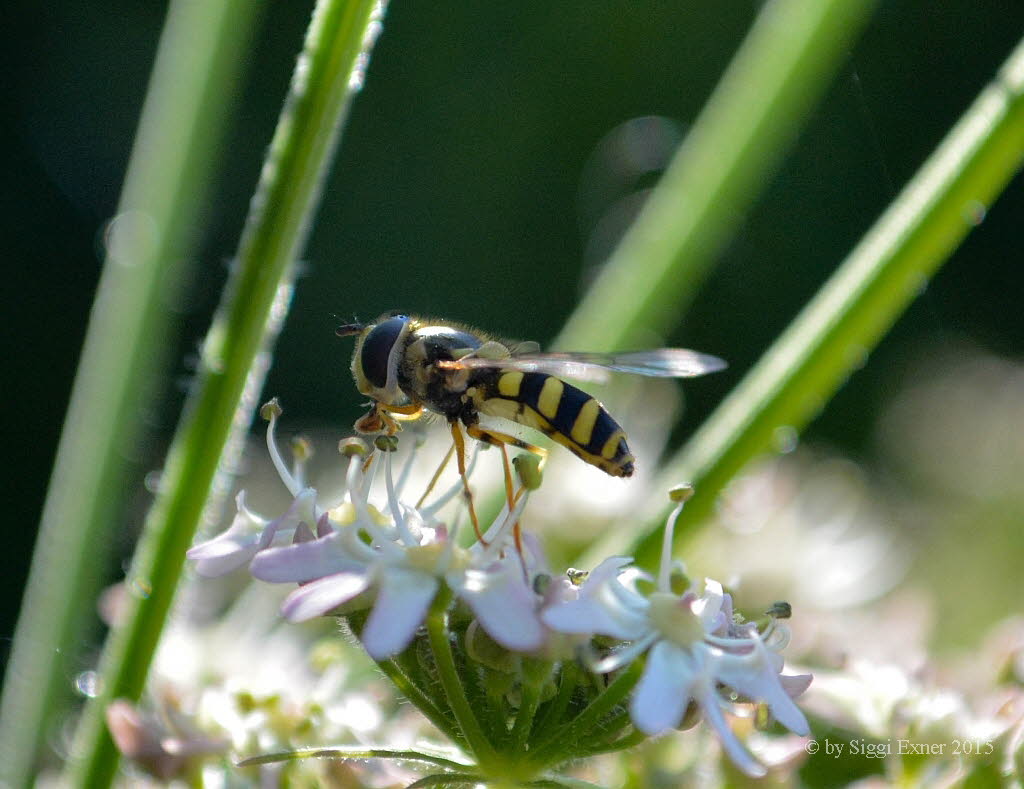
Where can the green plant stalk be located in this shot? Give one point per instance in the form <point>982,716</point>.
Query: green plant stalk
<point>450,780</point>
<point>437,633</point>
<point>353,753</point>
<point>415,695</point>
<point>552,712</point>
<point>834,333</point>
<point>197,65</point>
<point>535,672</point>
<point>488,707</point>
<point>771,85</point>
<point>275,230</point>
<point>559,747</point>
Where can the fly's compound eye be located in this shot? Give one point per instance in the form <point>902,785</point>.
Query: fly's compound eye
<point>376,349</point>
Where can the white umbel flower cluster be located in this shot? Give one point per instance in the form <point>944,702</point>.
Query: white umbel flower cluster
<point>393,559</point>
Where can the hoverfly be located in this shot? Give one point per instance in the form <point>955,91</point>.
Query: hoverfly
<point>406,364</point>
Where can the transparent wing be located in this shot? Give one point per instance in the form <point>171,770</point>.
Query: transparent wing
<point>659,363</point>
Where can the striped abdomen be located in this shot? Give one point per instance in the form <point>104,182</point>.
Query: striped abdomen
<point>569,415</point>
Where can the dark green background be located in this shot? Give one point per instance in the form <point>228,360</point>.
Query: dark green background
<point>457,192</point>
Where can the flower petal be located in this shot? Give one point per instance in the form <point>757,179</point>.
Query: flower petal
<point>589,616</point>
<point>503,604</point>
<point>711,707</point>
<point>304,561</point>
<point>755,676</point>
<point>795,684</point>
<point>606,571</point>
<point>663,693</point>
<point>226,552</point>
<point>302,510</point>
<point>402,601</point>
<point>233,547</point>
<point>603,606</point>
<point>709,606</point>
<point>323,595</point>
<point>627,654</point>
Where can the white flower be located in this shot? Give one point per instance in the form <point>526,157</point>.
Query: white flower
<point>404,565</point>
<point>693,647</point>
<point>249,532</point>
<point>165,745</point>
<point>394,558</point>
<point>206,692</point>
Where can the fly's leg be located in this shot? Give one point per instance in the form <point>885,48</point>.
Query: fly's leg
<point>460,458</point>
<point>392,415</point>
<point>385,418</point>
<point>501,440</point>
<point>404,413</point>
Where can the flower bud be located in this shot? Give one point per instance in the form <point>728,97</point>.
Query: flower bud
<point>528,467</point>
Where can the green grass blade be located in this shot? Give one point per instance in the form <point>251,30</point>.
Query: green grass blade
<point>882,275</point>
<point>198,61</point>
<point>355,752</point>
<point>339,37</point>
<point>783,66</point>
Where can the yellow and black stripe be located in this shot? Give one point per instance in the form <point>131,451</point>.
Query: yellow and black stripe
<point>569,415</point>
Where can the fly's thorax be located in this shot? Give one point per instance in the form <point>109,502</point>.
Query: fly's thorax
<point>439,389</point>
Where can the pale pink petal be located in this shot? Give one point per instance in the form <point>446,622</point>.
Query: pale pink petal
<point>403,597</point>
<point>304,561</point>
<point>233,547</point>
<point>661,697</point>
<point>302,510</point>
<point>503,604</point>
<point>226,552</point>
<point>319,597</point>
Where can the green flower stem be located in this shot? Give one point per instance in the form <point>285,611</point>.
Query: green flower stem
<point>535,674</point>
<point>553,711</point>
<point>834,333</point>
<point>150,244</point>
<point>488,706</point>
<point>275,231</point>
<point>424,703</point>
<point>784,64</point>
<point>437,632</point>
<point>562,744</point>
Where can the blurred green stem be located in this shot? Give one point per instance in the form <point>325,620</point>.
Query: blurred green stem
<point>835,332</point>
<point>785,63</point>
<point>338,40</point>
<point>149,247</point>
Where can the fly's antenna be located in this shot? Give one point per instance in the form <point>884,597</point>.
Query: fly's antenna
<point>349,329</point>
